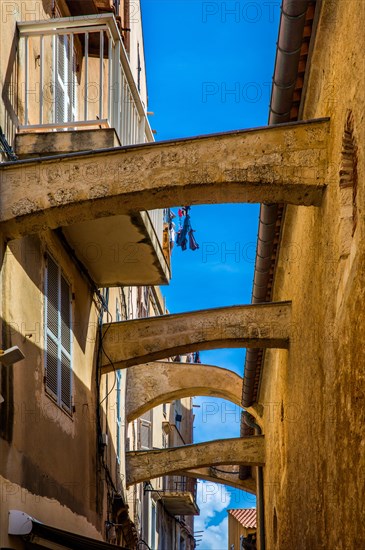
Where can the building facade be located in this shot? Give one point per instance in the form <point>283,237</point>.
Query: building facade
<point>310,399</point>
<point>242,529</point>
<point>73,78</point>
<point>91,453</point>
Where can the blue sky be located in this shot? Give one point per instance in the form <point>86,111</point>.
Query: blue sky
<point>209,69</point>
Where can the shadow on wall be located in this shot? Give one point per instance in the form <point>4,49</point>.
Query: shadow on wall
<point>69,469</point>
<point>29,253</point>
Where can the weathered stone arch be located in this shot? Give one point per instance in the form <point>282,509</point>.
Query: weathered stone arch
<point>286,163</point>
<point>155,383</point>
<point>140,341</point>
<point>145,465</point>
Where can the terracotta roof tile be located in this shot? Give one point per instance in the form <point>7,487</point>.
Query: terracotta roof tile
<point>246,516</point>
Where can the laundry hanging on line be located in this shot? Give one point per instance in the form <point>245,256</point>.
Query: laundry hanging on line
<point>185,233</point>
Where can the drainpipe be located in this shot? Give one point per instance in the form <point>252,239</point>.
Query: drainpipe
<point>292,22</point>
<point>249,421</point>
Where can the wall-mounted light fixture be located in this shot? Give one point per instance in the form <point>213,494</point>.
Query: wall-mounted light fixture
<point>9,357</point>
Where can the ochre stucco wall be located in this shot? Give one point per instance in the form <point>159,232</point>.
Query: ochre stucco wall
<point>48,453</point>
<point>313,396</point>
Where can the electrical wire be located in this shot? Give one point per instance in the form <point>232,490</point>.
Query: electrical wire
<point>101,348</point>
<point>141,541</point>
<point>103,308</point>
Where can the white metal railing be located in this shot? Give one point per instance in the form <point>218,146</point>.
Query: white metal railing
<point>77,75</point>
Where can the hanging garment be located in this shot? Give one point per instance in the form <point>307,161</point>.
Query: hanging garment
<point>193,245</point>
<point>181,239</point>
<point>185,232</point>
<point>178,237</point>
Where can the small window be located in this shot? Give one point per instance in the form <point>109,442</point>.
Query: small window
<point>178,412</point>
<point>145,430</point>
<point>58,361</point>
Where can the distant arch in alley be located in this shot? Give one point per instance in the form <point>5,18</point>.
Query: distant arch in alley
<point>159,382</point>
<point>146,465</point>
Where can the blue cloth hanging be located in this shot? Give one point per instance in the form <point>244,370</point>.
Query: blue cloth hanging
<point>186,232</point>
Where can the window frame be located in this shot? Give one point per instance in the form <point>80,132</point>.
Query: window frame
<point>57,340</point>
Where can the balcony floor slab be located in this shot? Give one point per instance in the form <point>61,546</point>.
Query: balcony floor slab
<point>44,144</point>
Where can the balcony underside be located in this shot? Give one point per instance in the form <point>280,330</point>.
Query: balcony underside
<point>140,341</point>
<point>147,465</point>
<point>155,383</point>
<point>87,7</point>
<point>82,7</point>
<point>277,164</point>
<point>119,250</point>
<point>180,503</point>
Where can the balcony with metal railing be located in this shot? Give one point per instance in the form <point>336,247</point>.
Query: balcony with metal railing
<point>75,74</point>
<point>179,495</point>
<point>72,89</point>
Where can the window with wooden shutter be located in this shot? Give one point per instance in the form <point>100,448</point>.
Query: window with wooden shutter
<point>145,431</point>
<point>58,362</point>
